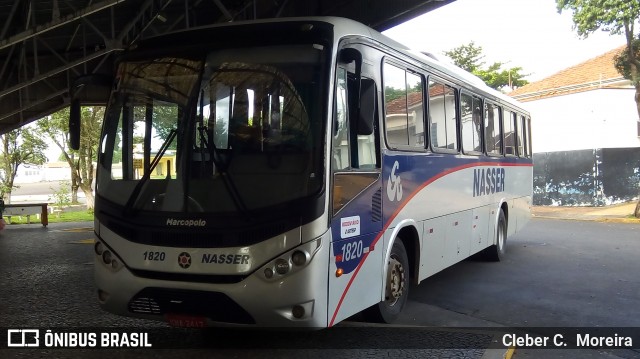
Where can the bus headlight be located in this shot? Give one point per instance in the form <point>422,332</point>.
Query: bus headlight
<point>299,258</point>
<point>291,261</point>
<point>268,273</point>
<point>108,258</point>
<point>282,266</point>
<point>98,247</point>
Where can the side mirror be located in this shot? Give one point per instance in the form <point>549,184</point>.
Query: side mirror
<point>74,124</point>
<point>349,55</point>
<point>367,107</point>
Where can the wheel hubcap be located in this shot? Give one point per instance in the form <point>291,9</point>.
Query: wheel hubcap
<point>395,281</point>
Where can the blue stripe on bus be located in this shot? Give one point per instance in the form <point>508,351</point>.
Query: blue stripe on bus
<point>432,172</point>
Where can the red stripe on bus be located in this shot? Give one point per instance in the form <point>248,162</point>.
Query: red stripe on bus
<point>402,205</point>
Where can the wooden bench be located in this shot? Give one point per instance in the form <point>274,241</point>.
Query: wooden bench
<point>27,209</point>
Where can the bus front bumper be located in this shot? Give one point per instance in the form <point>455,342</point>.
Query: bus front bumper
<point>297,299</point>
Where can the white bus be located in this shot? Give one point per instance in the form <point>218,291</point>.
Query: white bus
<point>294,172</point>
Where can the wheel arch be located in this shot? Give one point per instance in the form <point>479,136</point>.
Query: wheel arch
<point>407,232</point>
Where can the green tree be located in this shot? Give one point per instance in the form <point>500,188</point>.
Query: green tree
<point>615,17</point>
<point>20,146</point>
<point>470,58</point>
<point>81,161</point>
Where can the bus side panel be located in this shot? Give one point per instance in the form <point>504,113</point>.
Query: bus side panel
<point>521,212</point>
<point>433,248</point>
<point>356,251</point>
<point>520,190</point>
<point>458,233</point>
<point>359,288</point>
<point>479,229</point>
<point>523,201</point>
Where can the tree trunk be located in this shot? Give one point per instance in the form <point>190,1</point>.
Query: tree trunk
<point>74,194</point>
<point>88,194</point>
<point>636,213</point>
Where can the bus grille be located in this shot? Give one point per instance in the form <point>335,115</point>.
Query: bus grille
<point>376,206</point>
<point>189,277</point>
<point>144,305</point>
<point>213,305</point>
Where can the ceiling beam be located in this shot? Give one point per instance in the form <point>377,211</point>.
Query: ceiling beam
<point>40,29</point>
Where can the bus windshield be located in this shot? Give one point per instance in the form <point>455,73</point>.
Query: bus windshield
<point>233,130</point>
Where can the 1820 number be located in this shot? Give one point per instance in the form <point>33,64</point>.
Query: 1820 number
<point>352,250</point>
<point>154,256</point>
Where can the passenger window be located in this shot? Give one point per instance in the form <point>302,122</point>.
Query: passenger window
<point>442,116</point>
<point>492,128</point>
<point>509,134</point>
<point>520,136</point>
<point>471,119</point>
<point>404,110</point>
<point>415,110</point>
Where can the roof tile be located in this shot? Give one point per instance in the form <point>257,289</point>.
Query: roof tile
<point>595,72</point>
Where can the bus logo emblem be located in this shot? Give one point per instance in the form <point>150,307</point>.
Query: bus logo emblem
<point>394,185</point>
<point>184,260</point>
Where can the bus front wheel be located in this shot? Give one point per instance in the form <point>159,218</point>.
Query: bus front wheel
<point>396,287</point>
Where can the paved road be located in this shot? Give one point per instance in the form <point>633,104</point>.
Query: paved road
<point>37,188</point>
<point>40,192</point>
<point>558,273</point>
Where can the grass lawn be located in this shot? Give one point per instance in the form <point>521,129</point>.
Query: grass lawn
<point>71,216</point>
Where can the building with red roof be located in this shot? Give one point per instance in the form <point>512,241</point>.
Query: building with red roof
<point>589,105</point>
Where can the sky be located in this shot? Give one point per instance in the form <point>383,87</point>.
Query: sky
<point>526,33</point>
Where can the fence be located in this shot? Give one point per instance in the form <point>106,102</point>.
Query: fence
<point>595,177</point>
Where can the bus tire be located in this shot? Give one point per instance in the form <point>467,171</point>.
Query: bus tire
<point>497,252</point>
<point>396,287</point>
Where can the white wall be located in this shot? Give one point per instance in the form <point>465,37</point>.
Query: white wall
<point>29,174</point>
<point>57,174</point>
<point>601,118</point>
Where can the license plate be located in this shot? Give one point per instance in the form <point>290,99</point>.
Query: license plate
<point>185,321</point>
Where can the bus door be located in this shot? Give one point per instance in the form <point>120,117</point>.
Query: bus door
<point>356,189</point>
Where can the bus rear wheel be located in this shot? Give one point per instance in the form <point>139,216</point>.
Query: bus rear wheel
<point>396,287</point>
<point>497,252</point>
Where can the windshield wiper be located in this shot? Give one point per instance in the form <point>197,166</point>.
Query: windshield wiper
<point>147,175</point>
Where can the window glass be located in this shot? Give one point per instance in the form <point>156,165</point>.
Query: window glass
<point>341,130</point>
<point>509,133</point>
<point>404,110</point>
<point>471,118</point>
<point>492,134</point>
<point>415,110</point>
<point>350,150</point>
<point>395,98</point>
<point>442,116</point>
<point>520,134</point>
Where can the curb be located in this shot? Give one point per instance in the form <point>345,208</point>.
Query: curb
<point>595,219</point>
